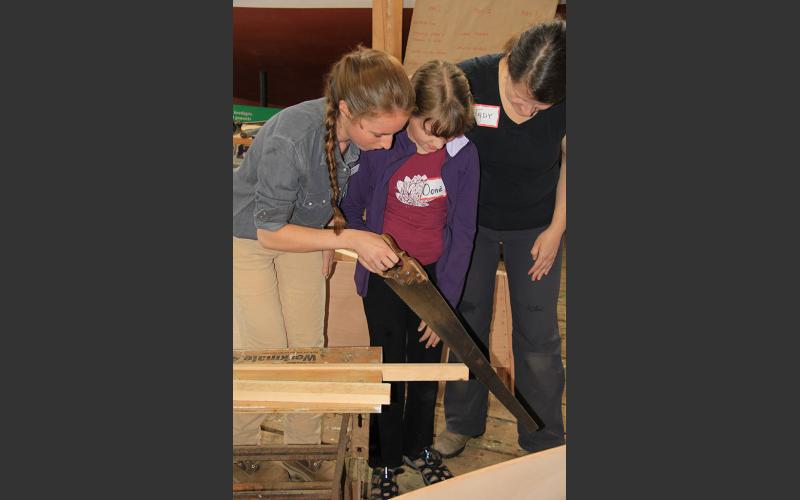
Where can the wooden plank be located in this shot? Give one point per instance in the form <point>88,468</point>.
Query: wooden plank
<point>387,26</point>
<point>283,485</point>
<point>294,407</point>
<point>309,355</point>
<point>378,25</point>
<point>541,475</point>
<point>310,387</point>
<point>311,392</point>
<point>328,372</point>
<point>353,372</point>
<point>417,372</point>
<point>283,452</point>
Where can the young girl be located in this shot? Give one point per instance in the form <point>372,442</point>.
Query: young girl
<point>284,194</point>
<point>423,192</point>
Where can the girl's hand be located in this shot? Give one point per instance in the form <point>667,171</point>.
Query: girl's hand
<point>544,252</point>
<point>429,335</point>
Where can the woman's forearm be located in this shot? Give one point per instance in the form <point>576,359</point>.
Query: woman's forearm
<point>295,238</point>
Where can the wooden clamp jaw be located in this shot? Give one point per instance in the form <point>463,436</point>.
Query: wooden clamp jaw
<point>407,271</point>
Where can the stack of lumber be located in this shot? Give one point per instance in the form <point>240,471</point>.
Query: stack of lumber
<point>332,380</point>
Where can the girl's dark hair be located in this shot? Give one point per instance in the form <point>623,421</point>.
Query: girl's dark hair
<point>371,82</point>
<point>443,98</point>
<point>538,58</point>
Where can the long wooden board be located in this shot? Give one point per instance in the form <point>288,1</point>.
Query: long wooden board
<point>310,355</point>
<point>282,485</point>
<point>353,393</point>
<point>293,407</point>
<point>333,372</point>
<point>352,372</point>
<point>420,372</point>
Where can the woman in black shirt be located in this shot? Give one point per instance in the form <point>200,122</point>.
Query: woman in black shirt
<point>520,112</point>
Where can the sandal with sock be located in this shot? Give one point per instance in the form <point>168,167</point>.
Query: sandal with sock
<point>429,464</point>
<point>383,484</point>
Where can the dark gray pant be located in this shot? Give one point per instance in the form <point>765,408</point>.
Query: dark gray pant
<point>536,343</point>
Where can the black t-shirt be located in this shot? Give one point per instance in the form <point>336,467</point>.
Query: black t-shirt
<point>520,163</point>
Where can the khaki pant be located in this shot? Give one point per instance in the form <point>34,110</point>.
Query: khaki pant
<point>279,302</point>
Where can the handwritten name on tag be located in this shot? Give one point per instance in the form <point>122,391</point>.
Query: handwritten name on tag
<point>487,115</point>
<point>433,189</point>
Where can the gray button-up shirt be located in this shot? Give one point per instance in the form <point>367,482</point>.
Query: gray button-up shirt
<point>284,176</point>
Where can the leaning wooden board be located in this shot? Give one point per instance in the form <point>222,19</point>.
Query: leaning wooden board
<point>540,476</point>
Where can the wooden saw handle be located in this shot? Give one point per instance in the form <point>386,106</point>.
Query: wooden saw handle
<point>408,270</point>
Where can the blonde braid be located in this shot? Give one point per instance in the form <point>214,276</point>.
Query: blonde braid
<point>339,222</point>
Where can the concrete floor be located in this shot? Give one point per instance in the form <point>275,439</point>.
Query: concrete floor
<point>498,444</point>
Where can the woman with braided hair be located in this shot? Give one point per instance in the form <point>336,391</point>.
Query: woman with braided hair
<point>285,193</point>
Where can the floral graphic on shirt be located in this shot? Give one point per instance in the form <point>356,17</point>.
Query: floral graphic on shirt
<point>409,191</point>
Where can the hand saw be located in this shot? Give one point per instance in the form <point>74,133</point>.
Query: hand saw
<point>410,282</point>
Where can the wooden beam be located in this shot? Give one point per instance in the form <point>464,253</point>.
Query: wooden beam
<point>334,372</point>
<point>419,372</point>
<point>353,372</point>
<point>291,407</point>
<point>310,355</point>
<point>289,486</point>
<point>387,27</point>
<point>356,394</point>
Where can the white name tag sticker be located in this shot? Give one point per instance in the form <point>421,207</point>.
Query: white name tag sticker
<point>487,115</point>
<point>432,189</point>
<point>354,169</point>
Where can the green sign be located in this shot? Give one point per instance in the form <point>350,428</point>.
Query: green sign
<point>245,114</point>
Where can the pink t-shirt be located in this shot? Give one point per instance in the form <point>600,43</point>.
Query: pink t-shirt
<point>416,206</point>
